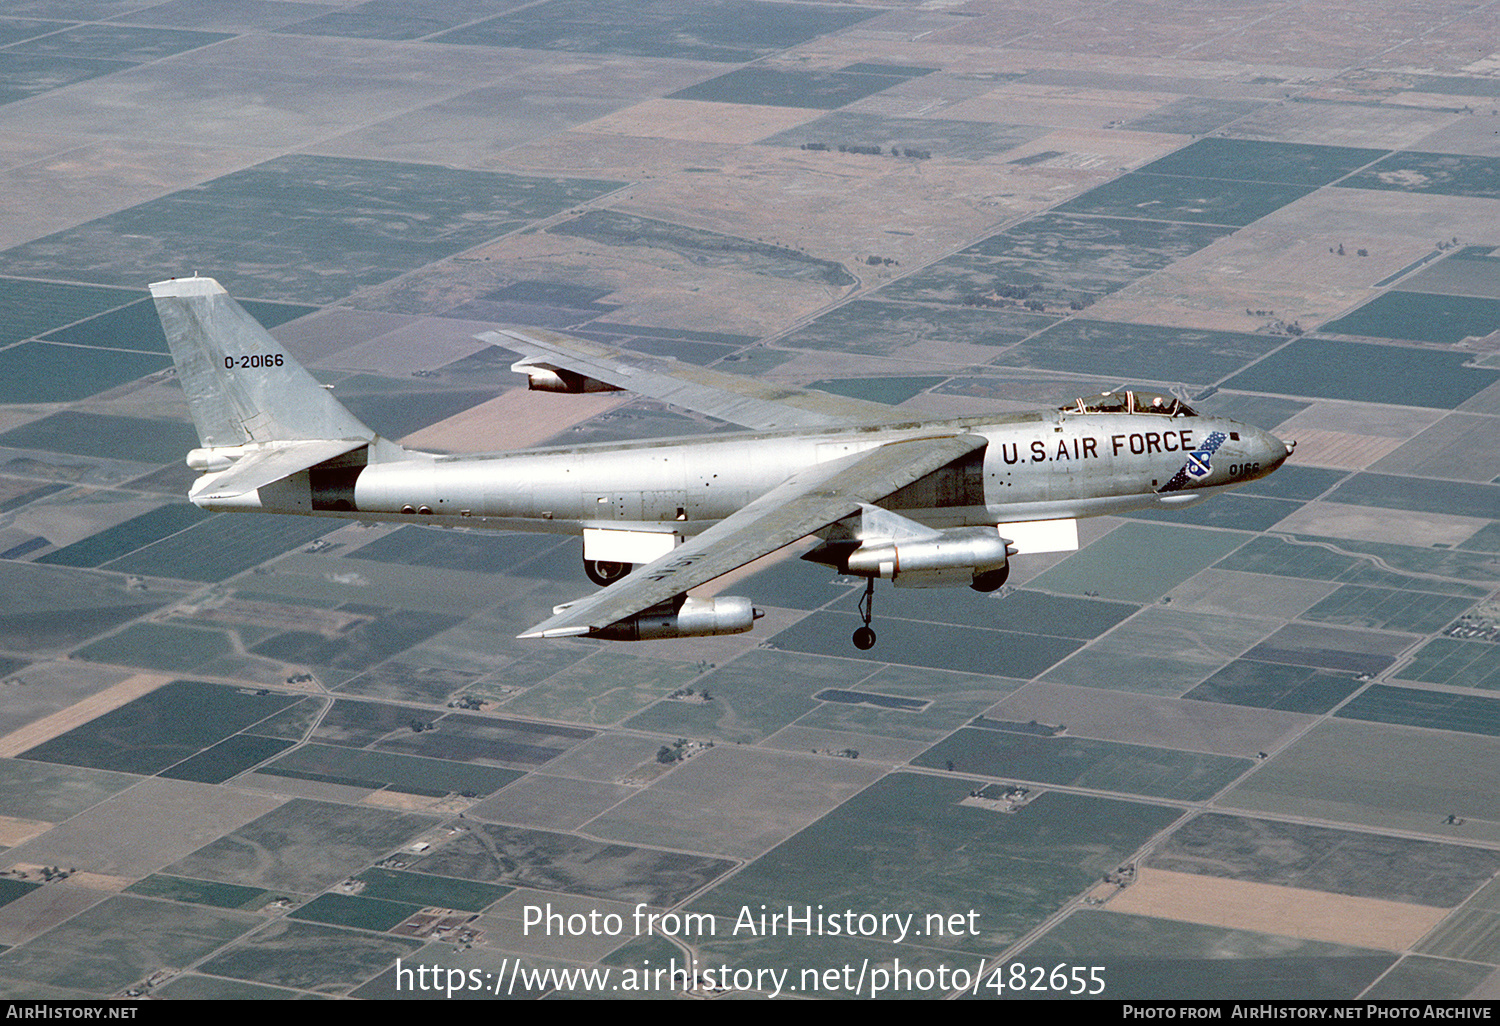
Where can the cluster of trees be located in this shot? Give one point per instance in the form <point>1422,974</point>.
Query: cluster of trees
<point>870,150</point>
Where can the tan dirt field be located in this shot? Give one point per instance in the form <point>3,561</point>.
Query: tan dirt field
<point>1286,911</point>
<point>64,720</point>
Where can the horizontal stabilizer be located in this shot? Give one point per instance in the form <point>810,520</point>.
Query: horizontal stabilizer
<point>267,466</point>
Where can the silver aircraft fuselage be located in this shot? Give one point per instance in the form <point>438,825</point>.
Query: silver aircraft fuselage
<point>1044,465</point>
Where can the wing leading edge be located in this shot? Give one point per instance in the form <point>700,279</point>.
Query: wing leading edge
<point>732,397</point>
<point>805,503</point>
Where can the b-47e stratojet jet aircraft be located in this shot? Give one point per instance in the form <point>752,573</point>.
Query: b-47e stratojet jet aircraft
<point>921,503</point>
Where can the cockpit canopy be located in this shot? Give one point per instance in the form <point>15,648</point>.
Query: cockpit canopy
<point>1132,401</point>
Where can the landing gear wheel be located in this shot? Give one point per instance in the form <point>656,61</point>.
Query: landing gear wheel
<point>603,572</point>
<point>991,580</point>
<point>864,638</point>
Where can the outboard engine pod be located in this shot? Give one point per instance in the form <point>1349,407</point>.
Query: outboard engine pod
<point>686,618</point>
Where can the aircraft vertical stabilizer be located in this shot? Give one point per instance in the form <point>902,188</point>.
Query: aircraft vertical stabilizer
<point>242,387</point>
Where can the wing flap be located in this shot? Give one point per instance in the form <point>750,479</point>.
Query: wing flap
<point>806,502</point>
<point>733,397</point>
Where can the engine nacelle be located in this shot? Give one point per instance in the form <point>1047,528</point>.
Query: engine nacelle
<point>686,618</point>
<point>541,378</point>
<point>962,555</point>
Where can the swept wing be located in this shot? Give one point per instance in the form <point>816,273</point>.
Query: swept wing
<point>806,502</point>
<point>731,397</point>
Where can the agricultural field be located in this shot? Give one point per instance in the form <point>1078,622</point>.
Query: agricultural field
<point>1244,749</point>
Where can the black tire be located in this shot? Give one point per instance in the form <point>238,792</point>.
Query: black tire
<point>604,573</point>
<point>864,639</point>
<point>991,580</point>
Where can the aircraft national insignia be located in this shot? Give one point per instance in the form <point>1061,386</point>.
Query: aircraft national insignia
<point>1199,463</point>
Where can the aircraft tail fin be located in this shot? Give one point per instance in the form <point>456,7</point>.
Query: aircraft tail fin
<point>242,387</point>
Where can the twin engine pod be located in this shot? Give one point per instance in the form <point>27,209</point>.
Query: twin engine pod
<point>976,556</point>
<point>541,377</point>
<point>685,617</point>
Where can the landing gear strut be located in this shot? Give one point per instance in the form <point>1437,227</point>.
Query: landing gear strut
<point>603,572</point>
<point>864,638</point>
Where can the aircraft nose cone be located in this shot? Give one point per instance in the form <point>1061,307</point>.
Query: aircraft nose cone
<point>1273,451</point>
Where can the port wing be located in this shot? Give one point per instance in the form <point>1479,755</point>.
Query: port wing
<point>736,398</point>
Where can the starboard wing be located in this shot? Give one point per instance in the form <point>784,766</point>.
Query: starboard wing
<point>732,397</point>
<point>806,502</point>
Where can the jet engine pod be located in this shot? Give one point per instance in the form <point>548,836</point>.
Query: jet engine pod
<point>542,378</point>
<point>961,555</point>
<point>686,618</point>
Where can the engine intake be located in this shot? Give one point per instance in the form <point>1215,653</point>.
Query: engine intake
<point>686,618</point>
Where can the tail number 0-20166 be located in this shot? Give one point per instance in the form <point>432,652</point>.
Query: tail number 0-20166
<point>254,360</point>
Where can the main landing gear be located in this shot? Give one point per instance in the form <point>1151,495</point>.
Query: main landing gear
<point>604,572</point>
<point>864,638</point>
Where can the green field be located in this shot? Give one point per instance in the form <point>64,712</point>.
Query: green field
<point>1440,710</point>
<point>1111,567</point>
<point>1318,858</point>
<point>1057,259</point>
<point>113,542</point>
<point>1395,491</point>
<point>105,435</point>
<point>1445,174</point>
<point>152,732</point>
<point>120,941</point>
<point>23,75</point>
<point>362,645</point>
<point>1000,653</point>
<point>226,759</point>
<point>310,956</point>
<point>39,372</point>
<point>1451,662</point>
<point>423,890</point>
<point>158,646</point>
<point>1254,160</point>
<point>452,550</point>
<point>200,892</point>
<point>1388,609</point>
<point>1137,351</point>
<point>358,911</point>
<point>1013,869</point>
<point>1196,200</point>
<point>1473,932</point>
<point>1356,563</point>
<point>752,697</point>
<point>1086,763</point>
<point>117,42</point>
<point>1299,689</point>
<point>1420,317</point>
<point>1361,372</point>
<point>729,33</point>
<point>1384,776</point>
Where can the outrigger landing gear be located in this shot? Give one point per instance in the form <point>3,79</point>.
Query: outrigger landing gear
<point>604,572</point>
<point>864,638</point>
